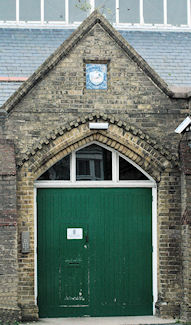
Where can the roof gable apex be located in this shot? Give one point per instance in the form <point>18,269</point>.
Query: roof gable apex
<point>66,46</point>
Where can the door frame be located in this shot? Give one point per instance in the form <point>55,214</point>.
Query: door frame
<point>105,184</point>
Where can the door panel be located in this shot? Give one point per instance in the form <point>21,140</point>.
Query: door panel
<point>109,270</point>
<point>74,284</point>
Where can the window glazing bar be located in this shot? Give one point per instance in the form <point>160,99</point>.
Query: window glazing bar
<point>141,12</point>
<point>42,11</point>
<point>73,167</point>
<point>189,12</point>
<point>66,11</point>
<point>165,11</point>
<point>117,11</point>
<point>114,166</point>
<point>17,11</point>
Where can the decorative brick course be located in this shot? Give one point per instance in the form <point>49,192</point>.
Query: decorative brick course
<point>137,149</point>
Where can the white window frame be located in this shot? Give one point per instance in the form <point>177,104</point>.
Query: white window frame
<point>105,184</point>
<point>141,12</point>
<point>92,4</point>
<point>115,174</point>
<point>17,11</point>
<point>165,11</point>
<point>117,23</point>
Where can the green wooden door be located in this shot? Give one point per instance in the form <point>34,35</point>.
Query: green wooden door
<point>94,252</point>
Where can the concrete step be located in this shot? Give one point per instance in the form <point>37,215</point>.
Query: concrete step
<point>135,320</point>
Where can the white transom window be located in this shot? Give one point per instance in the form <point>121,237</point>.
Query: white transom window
<point>92,164</point>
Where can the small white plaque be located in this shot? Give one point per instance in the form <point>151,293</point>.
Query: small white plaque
<point>74,233</point>
<point>102,126</point>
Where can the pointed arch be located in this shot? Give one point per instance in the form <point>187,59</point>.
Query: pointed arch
<point>127,140</point>
<point>82,164</point>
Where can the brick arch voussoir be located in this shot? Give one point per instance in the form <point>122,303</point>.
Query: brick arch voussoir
<point>127,140</point>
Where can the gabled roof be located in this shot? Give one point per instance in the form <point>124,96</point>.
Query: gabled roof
<point>64,49</point>
<point>167,52</point>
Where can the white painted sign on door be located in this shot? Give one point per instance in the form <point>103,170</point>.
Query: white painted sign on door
<point>74,233</point>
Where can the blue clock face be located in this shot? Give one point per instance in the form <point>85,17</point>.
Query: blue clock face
<point>96,76</point>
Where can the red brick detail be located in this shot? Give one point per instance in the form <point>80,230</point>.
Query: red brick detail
<point>8,224</point>
<point>9,213</point>
<point>8,221</point>
<point>7,158</point>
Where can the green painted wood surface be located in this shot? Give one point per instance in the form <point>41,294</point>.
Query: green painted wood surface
<point>109,271</point>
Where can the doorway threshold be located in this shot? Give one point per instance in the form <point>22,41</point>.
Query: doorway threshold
<point>124,320</point>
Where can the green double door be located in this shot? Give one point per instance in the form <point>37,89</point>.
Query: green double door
<point>94,252</point>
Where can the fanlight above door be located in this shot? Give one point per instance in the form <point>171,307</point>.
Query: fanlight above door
<point>94,163</point>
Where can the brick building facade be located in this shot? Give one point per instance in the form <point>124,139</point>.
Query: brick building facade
<point>48,118</point>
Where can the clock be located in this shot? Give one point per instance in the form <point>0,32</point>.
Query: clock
<point>96,76</point>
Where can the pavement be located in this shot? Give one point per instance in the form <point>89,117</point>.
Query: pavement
<point>135,320</point>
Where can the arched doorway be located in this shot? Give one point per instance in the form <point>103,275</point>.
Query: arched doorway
<point>94,215</point>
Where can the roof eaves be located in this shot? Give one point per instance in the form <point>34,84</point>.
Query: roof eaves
<point>181,92</point>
